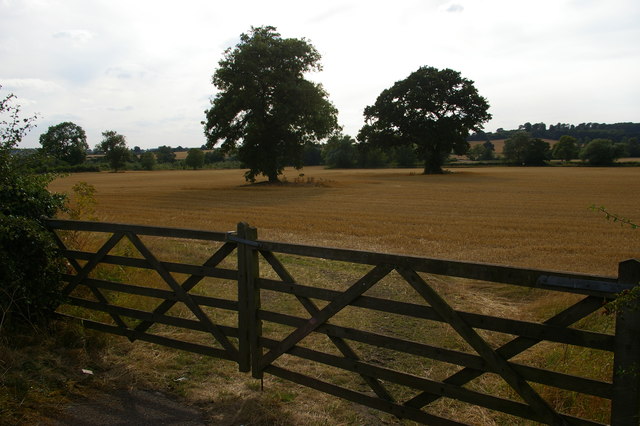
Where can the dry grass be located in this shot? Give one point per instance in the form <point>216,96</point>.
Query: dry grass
<point>530,217</point>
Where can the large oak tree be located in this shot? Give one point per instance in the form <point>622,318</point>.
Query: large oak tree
<point>65,141</point>
<point>264,106</point>
<point>432,110</point>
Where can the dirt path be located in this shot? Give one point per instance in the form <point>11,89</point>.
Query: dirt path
<point>128,407</point>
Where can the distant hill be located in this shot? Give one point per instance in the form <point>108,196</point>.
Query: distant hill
<point>584,132</point>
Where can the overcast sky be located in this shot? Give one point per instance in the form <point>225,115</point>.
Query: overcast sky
<point>143,68</point>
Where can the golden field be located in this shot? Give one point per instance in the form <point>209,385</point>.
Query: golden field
<point>530,217</point>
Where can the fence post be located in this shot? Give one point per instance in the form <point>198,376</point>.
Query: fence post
<point>247,272</point>
<point>625,404</point>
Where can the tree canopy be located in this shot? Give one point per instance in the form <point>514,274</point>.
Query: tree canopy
<point>164,154</point>
<point>566,149</point>
<point>340,152</point>
<point>523,150</point>
<point>264,107</point>
<point>65,141</point>
<point>602,152</point>
<point>195,158</point>
<point>433,110</point>
<point>115,149</point>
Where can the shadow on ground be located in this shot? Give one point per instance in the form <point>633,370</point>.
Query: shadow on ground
<point>146,408</point>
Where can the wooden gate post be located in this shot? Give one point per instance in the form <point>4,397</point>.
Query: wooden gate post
<point>248,295</point>
<point>625,404</point>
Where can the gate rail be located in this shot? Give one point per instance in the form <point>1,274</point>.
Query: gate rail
<point>259,354</point>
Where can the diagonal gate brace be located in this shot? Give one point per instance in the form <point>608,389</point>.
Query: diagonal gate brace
<point>214,329</point>
<point>340,302</point>
<point>313,310</point>
<point>498,364</point>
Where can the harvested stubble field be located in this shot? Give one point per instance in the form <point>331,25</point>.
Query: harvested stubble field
<point>529,217</point>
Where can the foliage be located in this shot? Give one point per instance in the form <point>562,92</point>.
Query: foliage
<point>115,149</point>
<point>482,152</point>
<point>404,156</point>
<point>371,157</point>
<point>627,299</point>
<point>633,147</point>
<point>84,202</point>
<point>164,154</point>
<point>195,158</point>
<point>30,267</point>
<point>30,271</point>
<point>148,160</point>
<point>623,221</point>
<point>522,149</point>
<point>213,156</point>
<point>340,152</point>
<point>566,149</point>
<point>432,109</point>
<point>601,152</point>
<point>264,107</point>
<point>312,154</point>
<point>583,132</point>
<point>65,141</point>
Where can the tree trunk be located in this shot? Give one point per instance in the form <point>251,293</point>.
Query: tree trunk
<point>432,165</point>
<point>436,170</point>
<point>273,178</point>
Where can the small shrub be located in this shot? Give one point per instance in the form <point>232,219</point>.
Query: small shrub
<point>29,273</point>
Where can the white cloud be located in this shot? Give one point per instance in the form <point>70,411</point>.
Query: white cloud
<point>119,64</point>
<point>453,8</point>
<point>77,36</point>
<point>29,85</point>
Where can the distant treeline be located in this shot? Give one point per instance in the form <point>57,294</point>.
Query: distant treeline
<point>584,132</point>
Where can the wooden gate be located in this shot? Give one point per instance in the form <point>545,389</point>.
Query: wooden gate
<point>358,361</point>
<point>483,358</point>
<point>86,289</point>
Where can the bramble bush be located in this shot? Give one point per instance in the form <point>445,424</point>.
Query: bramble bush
<point>30,263</point>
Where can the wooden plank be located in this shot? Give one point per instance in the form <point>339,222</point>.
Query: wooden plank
<point>625,407</point>
<point>471,361</point>
<point>181,268</point>
<point>184,296</point>
<point>528,329</point>
<point>212,302</point>
<point>362,399</point>
<point>251,270</point>
<point>518,345</point>
<point>497,363</point>
<point>247,272</point>
<point>159,340</point>
<point>596,285</point>
<point>339,303</point>
<point>209,301</point>
<point>156,231</point>
<point>149,316</point>
<point>313,310</point>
